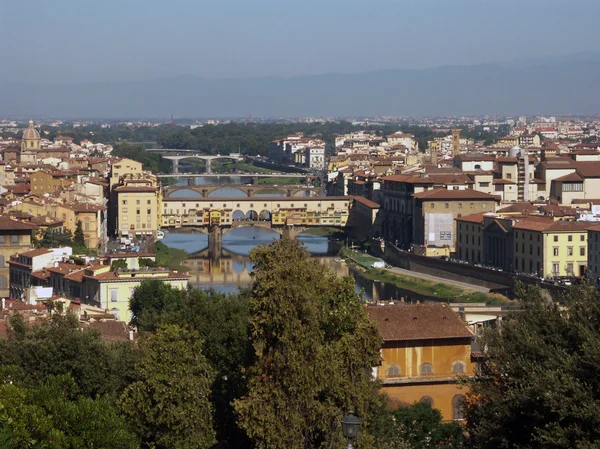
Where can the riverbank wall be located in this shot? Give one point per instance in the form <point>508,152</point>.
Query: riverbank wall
<point>497,281</point>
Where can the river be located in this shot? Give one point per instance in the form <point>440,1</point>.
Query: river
<point>226,266</point>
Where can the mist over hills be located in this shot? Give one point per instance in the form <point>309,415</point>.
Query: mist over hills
<point>567,85</point>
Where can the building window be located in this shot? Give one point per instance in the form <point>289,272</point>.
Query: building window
<point>460,205</point>
<point>570,268</point>
<point>582,250</point>
<point>471,206</point>
<point>137,201</point>
<point>432,205</point>
<point>555,269</point>
<point>427,400</point>
<point>570,238</point>
<point>447,206</point>
<point>113,294</point>
<point>458,367</point>
<point>458,407</point>
<point>570,251</point>
<point>582,238</point>
<point>555,251</point>
<point>426,369</point>
<point>14,239</point>
<point>124,202</point>
<point>556,238</point>
<point>393,371</point>
<point>149,202</point>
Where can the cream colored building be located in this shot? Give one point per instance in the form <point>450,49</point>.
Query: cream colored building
<point>138,207</point>
<point>122,167</point>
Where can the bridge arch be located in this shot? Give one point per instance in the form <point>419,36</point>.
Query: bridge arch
<point>264,215</point>
<point>238,215</point>
<point>252,215</point>
<point>269,192</point>
<point>216,193</point>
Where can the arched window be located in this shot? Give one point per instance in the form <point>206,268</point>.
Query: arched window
<point>458,367</point>
<point>426,369</point>
<point>458,407</point>
<point>393,371</point>
<point>427,400</point>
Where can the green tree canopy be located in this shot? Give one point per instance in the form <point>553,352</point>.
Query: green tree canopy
<point>315,348</point>
<point>79,236</point>
<point>169,405</point>
<point>60,347</point>
<point>52,416</point>
<point>539,384</point>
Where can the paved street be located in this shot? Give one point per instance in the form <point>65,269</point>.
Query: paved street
<point>429,277</point>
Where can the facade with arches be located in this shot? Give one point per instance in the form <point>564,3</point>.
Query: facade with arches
<point>426,350</point>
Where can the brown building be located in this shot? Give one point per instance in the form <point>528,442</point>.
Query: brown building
<point>49,181</point>
<point>426,347</point>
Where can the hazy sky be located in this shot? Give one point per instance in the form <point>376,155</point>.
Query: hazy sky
<point>53,41</point>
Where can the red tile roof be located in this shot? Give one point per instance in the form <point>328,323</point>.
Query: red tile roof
<point>8,224</point>
<point>474,218</point>
<point>446,194</point>
<point>367,202</point>
<point>405,322</point>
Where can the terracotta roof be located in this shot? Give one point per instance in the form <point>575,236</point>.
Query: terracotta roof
<point>502,181</point>
<point>404,322</point>
<point>35,252</point>
<point>571,177</point>
<point>474,218</point>
<point>110,329</point>
<point>589,169</point>
<point>552,226</point>
<point>84,207</point>
<point>518,207</point>
<point>367,202</point>
<point>445,194</point>
<point>136,189</point>
<point>8,224</point>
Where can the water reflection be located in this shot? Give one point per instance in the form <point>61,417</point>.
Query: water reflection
<point>227,266</point>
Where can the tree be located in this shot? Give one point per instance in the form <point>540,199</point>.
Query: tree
<point>59,347</point>
<point>222,323</point>
<point>169,405</point>
<point>53,238</point>
<point>539,384</point>
<point>51,415</point>
<point>118,263</point>
<point>79,236</point>
<point>315,348</point>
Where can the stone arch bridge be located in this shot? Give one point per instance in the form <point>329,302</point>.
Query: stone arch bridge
<point>205,191</point>
<point>206,158</point>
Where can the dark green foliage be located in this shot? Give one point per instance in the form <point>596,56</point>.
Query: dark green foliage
<point>169,405</point>
<point>315,348</point>
<point>145,262</point>
<point>151,161</point>
<point>539,386</point>
<point>222,322</point>
<point>59,347</point>
<point>79,236</point>
<point>118,263</point>
<point>53,416</point>
<point>53,238</point>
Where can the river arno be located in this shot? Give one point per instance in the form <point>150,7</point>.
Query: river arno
<point>226,266</point>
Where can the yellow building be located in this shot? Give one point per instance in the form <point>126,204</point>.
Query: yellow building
<point>49,181</point>
<point>137,208</point>
<point>111,290</point>
<point>123,167</point>
<point>426,348</point>
<point>551,248</point>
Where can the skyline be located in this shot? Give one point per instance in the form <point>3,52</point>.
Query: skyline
<point>84,42</point>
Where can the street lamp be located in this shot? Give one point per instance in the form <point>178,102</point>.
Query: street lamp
<point>350,426</point>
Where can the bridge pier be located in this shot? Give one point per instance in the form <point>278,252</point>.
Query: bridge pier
<point>190,181</point>
<point>215,234</point>
<point>208,166</point>
<point>175,166</point>
<point>290,232</point>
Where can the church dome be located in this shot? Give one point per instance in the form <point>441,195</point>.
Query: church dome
<point>31,133</point>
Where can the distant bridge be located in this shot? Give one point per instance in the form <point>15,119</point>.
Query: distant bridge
<point>206,190</point>
<point>207,158</point>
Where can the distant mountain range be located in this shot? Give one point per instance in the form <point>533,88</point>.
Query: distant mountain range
<point>567,85</point>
